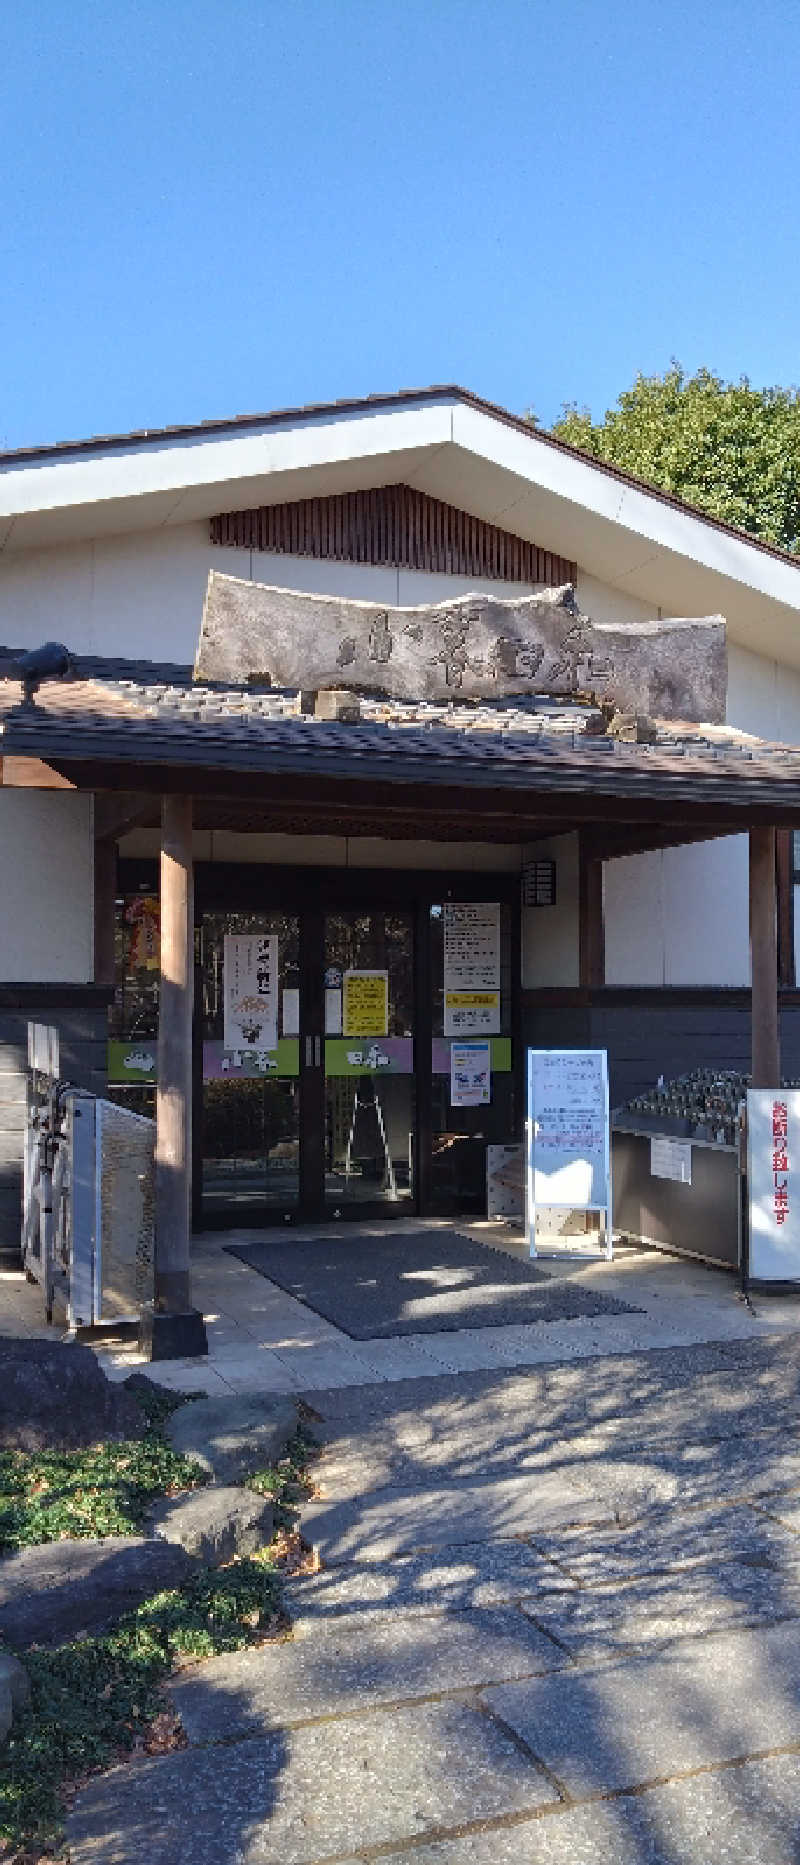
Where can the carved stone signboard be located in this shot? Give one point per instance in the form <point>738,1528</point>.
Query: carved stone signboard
<point>471,647</point>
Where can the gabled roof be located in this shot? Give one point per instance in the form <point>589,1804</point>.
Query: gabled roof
<point>445,441</point>
<point>358,404</point>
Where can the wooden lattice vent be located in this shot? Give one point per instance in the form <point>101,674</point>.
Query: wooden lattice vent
<point>393,525</point>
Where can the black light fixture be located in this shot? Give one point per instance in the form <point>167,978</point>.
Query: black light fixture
<point>52,661</point>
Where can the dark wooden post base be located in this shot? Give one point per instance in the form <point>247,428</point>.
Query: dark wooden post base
<point>170,1335</point>
<point>171,1328</point>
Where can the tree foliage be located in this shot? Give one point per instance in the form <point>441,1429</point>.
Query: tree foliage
<point>730,449</point>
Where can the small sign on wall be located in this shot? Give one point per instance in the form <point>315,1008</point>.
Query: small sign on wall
<point>671,1159</point>
<point>539,884</point>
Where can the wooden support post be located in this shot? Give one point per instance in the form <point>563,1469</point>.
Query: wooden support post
<point>172,1327</point>
<point>105,890</point>
<point>766,1066</point>
<point>591,931</point>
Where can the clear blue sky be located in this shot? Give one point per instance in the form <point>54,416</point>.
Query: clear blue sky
<point>212,208</point>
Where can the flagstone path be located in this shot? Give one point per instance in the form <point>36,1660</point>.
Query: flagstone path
<point>557,1619</point>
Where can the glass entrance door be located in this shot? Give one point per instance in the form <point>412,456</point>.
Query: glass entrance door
<point>368,1007</point>
<point>306,1059</point>
<point>249,992</point>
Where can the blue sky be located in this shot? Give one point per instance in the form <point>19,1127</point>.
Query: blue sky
<point>215,208</point>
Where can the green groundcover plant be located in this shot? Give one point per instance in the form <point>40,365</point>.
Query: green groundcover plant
<point>96,1699</point>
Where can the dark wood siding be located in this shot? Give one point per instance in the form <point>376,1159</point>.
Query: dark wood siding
<point>393,525</point>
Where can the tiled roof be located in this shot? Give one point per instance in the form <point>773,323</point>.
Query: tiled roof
<point>526,745</point>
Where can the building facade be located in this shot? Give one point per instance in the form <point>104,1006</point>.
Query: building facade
<point>627,935</point>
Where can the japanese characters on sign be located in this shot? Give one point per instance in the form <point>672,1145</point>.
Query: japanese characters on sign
<point>143,915</point>
<point>471,968</point>
<point>568,1132</point>
<point>250,991</point>
<point>773,1154</point>
<point>365,1003</point>
<point>467,1011</point>
<point>470,1074</point>
<point>780,1161</point>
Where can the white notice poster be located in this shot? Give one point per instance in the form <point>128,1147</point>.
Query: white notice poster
<point>773,1175</point>
<point>471,946</point>
<point>250,991</point>
<point>468,1013</point>
<point>568,1114</point>
<point>671,1159</point>
<point>470,1074</point>
<point>291,1011</point>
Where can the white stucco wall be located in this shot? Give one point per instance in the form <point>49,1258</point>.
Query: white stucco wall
<point>603,603</point>
<point>47,897</point>
<point>678,916</point>
<point>763,696</point>
<point>141,596</point>
<point>550,934</point>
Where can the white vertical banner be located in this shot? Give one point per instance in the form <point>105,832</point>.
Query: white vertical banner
<point>250,991</point>
<point>773,1178</point>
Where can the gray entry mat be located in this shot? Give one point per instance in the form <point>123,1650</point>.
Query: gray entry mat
<point>375,1287</point>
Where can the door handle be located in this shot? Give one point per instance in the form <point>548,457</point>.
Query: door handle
<point>313,1052</point>
<point>318,1051</point>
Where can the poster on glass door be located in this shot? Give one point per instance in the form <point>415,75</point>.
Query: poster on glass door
<point>470,1074</point>
<point>250,991</point>
<point>471,968</point>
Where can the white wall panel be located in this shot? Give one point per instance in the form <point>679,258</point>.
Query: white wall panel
<point>550,951</point>
<point>602,603</point>
<point>679,916</point>
<point>763,697</point>
<point>47,897</point>
<point>140,597</point>
<point>706,913</point>
<point>634,919</point>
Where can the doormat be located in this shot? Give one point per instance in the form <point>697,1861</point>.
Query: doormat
<point>417,1282</point>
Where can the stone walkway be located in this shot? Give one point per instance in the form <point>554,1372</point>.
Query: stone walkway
<point>557,1619</point>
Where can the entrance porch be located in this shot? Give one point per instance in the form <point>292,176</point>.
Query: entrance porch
<point>261,1338</point>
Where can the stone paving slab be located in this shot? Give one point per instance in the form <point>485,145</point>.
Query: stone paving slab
<point>395,1521</point>
<point>747,1815</point>
<point>708,1471</point>
<point>449,1579</point>
<point>665,1541</point>
<point>656,1611</point>
<point>623,1726</point>
<point>298,1796</point>
<point>355,1663</point>
<point>738,1385</point>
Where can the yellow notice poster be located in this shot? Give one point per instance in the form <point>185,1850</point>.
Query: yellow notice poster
<point>365,1003</point>
<point>471,1013</point>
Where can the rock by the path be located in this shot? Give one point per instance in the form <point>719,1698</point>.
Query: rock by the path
<point>57,1397</point>
<point>232,1437</point>
<point>15,1691</point>
<point>214,1524</point>
<point>74,1589</point>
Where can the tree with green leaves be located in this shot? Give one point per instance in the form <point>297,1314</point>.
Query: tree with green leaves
<point>728,448</point>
